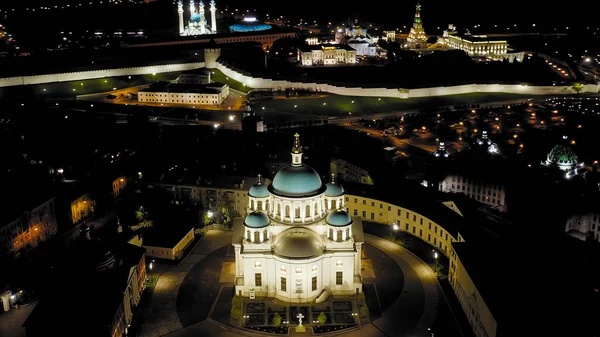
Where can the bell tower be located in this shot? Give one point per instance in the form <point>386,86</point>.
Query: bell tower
<point>297,151</point>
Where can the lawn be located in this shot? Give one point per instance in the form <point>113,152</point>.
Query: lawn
<point>69,89</point>
<point>218,76</point>
<point>279,110</point>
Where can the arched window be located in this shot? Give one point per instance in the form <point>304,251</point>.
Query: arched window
<point>267,205</point>
<point>259,206</point>
<point>252,204</point>
<point>287,211</point>
<point>278,209</point>
<point>297,212</point>
<point>265,235</point>
<point>347,233</point>
<point>316,210</point>
<point>333,204</point>
<point>331,233</point>
<point>339,236</point>
<point>248,237</point>
<point>307,211</point>
<point>257,236</point>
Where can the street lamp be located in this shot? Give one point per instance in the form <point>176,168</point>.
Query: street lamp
<point>231,117</point>
<point>210,214</point>
<point>395,227</point>
<point>436,267</point>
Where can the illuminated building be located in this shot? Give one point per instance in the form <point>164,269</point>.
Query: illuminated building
<point>118,185</point>
<point>417,38</point>
<point>298,244</point>
<point>81,208</point>
<point>29,228</point>
<point>480,46</point>
<point>249,24</point>
<point>195,76</point>
<point>564,159</point>
<point>197,24</point>
<point>482,190</point>
<point>349,172</point>
<point>191,94</point>
<point>584,226</point>
<point>326,55</point>
<point>364,46</point>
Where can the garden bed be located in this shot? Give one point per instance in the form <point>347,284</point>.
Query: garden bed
<point>255,319</point>
<point>280,330</point>
<point>255,307</point>
<point>331,328</point>
<point>342,306</point>
<point>315,316</point>
<point>294,311</point>
<point>343,318</point>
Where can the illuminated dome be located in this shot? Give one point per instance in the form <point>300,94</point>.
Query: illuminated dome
<point>562,156</point>
<point>298,243</point>
<point>249,24</point>
<point>195,17</point>
<point>259,190</point>
<point>297,181</point>
<point>256,219</point>
<point>339,218</point>
<point>334,189</point>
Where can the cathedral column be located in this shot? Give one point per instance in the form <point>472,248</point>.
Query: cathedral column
<point>292,212</point>
<point>303,212</point>
<point>335,234</point>
<point>281,211</point>
<point>358,259</point>
<point>320,205</point>
<point>344,236</point>
<point>262,236</point>
<point>329,204</point>
<point>312,211</point>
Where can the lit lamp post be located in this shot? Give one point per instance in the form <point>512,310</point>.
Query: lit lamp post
<point>436,267</point>
<point>395,226</point>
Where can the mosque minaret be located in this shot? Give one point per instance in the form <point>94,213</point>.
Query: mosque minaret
<point>197,23</point>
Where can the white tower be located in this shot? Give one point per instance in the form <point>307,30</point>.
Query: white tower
<point>202,18</point>
<point>192,8</point>
<point>180,12</point>
<point>213,16</point>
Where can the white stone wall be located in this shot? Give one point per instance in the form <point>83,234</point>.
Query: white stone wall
<point>256,82</point>
<point>86,75</point>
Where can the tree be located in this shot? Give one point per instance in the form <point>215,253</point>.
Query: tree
<point>276,319</point>
<point>364,311</point>
<point>322,318</point>
<point>236,307</point>
<point>577,87</point>
<point>206,220</point>
<point>226,210</point>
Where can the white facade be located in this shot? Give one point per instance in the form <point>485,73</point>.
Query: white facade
<point>326,55</point>
<point>584,226</point>
<point>363,46</point>
<point>198,23</point>
<point>194,77</point>
<point>300,253</point>
<point>491,194</point>
<point>181,97</point>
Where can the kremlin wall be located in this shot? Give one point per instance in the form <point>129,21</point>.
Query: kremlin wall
<point>211,62</point>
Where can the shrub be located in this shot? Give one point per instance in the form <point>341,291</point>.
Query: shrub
<point>364,311</point>
<point>276,319</point>
<point>361,300</point>
<point>236,307</point>
<point>322,318</point>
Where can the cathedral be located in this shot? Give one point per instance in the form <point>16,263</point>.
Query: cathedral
<point>298,244</point>
<point>197,25</point>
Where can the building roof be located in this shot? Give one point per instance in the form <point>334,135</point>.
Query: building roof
<point>256,219</point>
<point>209,88</point>
<point>298,243</point>
<point>199,71</point>
<point>166,238</point>
<point>339,218</point>
<point>477,38</point>
<point>309,48</point>
<point>417,199</point>
<point>297,181</point>
<point>218,181</point>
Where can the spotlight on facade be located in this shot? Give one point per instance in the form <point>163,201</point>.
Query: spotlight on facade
<point>395,227</point>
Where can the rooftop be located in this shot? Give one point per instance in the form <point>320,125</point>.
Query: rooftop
<point>209,88</point>
<point>165,238</point>
<point>478,38</point>
<point>219,181</point>
<point>308,48</point>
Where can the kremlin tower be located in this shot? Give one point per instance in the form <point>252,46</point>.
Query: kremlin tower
<point>417,38</point>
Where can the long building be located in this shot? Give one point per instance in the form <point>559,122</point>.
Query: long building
<point>199,94</point>
<point>481,46</point>
<point>326,54</point>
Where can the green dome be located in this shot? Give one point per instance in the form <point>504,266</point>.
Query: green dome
<point>298,243</point>
<point>297,181</point>
<point>562,155</point>
<point>334,190</point>
<point>339,218</point>
<point>259,191</point>
<point>256,219</point>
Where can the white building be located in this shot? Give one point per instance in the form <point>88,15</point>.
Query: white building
<point>298,244</point>
<point>207,94</point>
<point>197,24</point>
<point>492,194</point>
<point>195,76</point>
<point>326,54</point>
<point>584,226</point>
<point>364,46</point>
<point>480,46</point>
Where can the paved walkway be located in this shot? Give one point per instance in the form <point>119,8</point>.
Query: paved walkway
<point>417,303</point>
<point>11,321</point>
<point>163,318</point>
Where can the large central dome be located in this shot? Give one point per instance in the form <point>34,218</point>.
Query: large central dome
<point>295,181</point>
<point>298,243</point>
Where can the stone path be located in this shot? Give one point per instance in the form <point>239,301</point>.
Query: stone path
<point>163,318</point>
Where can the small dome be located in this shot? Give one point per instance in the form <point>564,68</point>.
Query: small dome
<point>298,243</point>
<point>258,191</point>
<point>562,155</point>
<point>334,190</point>
<point>339,218</point>
<point>297,181</point>
<point>256,219</point>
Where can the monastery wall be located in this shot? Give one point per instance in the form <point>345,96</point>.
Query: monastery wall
<point>257,82</point>
<point>87,75</point>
